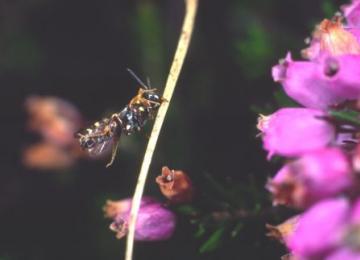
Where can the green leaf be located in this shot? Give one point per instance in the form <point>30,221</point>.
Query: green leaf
<point>188,210</point>
<point>237,229</point>
<point>284,100</point>
<point>213,242</point>
<point>328,8</point>
<point>254,50</point>
<point>349,116</point>
<point>201,231</point>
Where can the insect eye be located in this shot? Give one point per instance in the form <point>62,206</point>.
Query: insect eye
<point>89,143</point>
<point>152,97</point>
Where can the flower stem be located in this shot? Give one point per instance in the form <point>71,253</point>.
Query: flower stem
<point>183,44</point>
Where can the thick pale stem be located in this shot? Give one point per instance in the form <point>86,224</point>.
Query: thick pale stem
<point>183,45</point>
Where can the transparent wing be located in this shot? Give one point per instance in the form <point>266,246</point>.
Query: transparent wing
<point>101,148</point>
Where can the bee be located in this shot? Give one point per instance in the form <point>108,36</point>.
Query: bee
<point>132,118</point>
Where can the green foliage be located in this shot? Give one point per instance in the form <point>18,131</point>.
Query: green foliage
<point>329,8</point>
<point>255,50</point>
<point>187,209</point>
<point>150,39</point>
<point>280,100</point>
<point>214,241</point>
<point>347,116</point>
<point>283,100</point>
<point>21,52</point>
<point>223,210</point>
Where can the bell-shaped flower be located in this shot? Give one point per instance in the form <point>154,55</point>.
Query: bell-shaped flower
<point>295,131</point>
<point>320,84</point>
<point>154,222</point>
<point>315,176</point>
<point>320,229</point>
<point>352,13</point>
<point>331,38</point>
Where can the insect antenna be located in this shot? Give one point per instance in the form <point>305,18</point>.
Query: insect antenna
<point>148,82</point>
<point>137,78</point>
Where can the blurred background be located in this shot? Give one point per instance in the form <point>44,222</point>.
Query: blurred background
<point>78,51</point>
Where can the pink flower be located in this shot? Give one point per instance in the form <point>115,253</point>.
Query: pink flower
<point>355,213</point>
<point>284,230</point>
<point>316,175</point>
<point>344,254</point>
<point>154,222</point>
<point>54,118</point>
<point>352,13</point>
<point>294,131</point>
<point>322,83</point>
<point>320,229</point>
<point>331,38</point>
<point>46,156</point>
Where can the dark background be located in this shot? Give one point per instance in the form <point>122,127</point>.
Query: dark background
<point>78,50</point>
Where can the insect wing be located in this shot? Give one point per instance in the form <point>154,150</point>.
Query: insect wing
<point>101,148</point>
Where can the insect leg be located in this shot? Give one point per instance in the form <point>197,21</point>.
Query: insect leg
<point>114,151</point>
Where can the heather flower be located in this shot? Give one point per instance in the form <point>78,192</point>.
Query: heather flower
<point>175,185</point>
<point>351,237</point>
<point>331,38</point>
<point>316,175</point>
<point>295,131</point>
<point>356,159</point>
<point>320,229</point>
<point>344,254</point>
<point>282,231</point>
<point>326,164</point>
<point>46,156</point>
<point>54,118</point>
<point>320,84</point>
<point>154,222</point>
<point>352,13</point>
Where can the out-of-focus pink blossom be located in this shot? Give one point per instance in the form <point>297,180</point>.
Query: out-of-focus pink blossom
<point>331,38</point>
<point>295,131</point>
<point>55,119</point>
<point>355,212</point>
<point>320,84</point>
<point>154,222</point>
<point>352,13</point>
<point>315,176</point>
<point>344,253</point>
<point>320,229</point>
<point>356,159</point>
<point>46,156</point>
